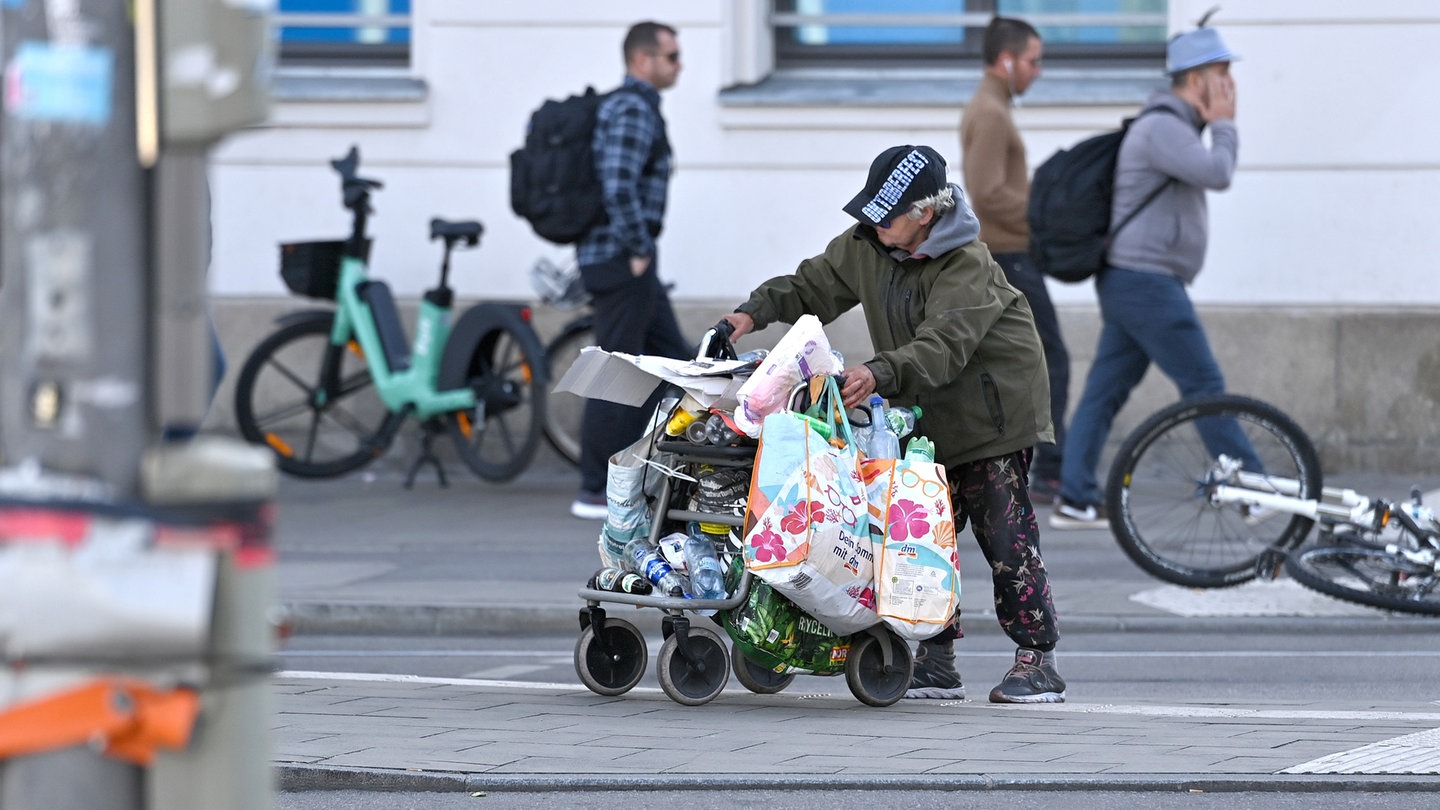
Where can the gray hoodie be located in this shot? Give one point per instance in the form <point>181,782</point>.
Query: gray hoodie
<point>1169,236</point>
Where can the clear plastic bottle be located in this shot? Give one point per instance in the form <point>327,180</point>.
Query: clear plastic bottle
<point>902,420</point>
<point>883,443</point>
<point>644,559</point>
<point>718,433</point>
<point>707,577</point>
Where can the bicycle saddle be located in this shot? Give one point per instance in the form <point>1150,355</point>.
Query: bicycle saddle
<point>469,230</point>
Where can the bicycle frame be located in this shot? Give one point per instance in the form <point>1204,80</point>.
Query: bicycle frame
<point>1335,504</point>
<point>412,389</point>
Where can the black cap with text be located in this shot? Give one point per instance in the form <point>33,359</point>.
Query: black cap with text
<point>899,177</point>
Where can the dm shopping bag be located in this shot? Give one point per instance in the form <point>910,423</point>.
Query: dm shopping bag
<point>912,530</point>
<point>806,522</point>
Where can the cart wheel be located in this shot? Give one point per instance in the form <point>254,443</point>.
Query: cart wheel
<point>754,677</point>
<point>614,666</point>
<point>693,684</point>
<point>870,680</point>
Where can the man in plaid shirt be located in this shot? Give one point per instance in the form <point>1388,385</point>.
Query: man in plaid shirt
<point>618,260</point>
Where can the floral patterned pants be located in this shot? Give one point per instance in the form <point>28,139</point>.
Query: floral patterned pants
<point>993,496</point>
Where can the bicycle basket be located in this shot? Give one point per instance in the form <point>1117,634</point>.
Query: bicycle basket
<point>312,269</point>
<point>558,286</point>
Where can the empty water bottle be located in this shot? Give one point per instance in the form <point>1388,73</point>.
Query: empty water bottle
<point>901,421</point>
<point>718,433</point>
<point>920,450</point>
<point>645,559</point>
<point>707,578</point>
<point>882,443</point>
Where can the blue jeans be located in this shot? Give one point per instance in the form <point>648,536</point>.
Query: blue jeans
<point>1024,276</point>
<point>1147,317</point>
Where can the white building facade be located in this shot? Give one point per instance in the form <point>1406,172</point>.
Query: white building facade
<point>1319,287</point>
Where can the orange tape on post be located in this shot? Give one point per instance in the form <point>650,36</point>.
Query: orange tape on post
<point>132,719</point>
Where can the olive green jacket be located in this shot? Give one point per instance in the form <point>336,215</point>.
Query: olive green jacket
<point>950,334</point>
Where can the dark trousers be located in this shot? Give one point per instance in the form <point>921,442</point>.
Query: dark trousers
<point>993,496</point>
<point>632,315</point>
<point>1022,274</point>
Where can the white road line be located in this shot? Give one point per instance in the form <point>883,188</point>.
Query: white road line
<point>564,657</point>
<point>1417,753</point>
<point>1077,708</point>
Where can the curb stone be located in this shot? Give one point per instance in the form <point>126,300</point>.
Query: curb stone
<point>302,778</point>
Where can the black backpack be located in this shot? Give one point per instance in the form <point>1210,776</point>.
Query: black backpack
<point>553,183</point>
<point>1069,212</point>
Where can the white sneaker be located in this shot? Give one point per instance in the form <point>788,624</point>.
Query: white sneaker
<point>1069,515</point>
<point>590,506</point>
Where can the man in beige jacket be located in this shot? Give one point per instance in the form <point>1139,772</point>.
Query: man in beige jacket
<point>997,180</point>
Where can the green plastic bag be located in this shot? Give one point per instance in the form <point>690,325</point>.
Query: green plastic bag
<point>774,633</point>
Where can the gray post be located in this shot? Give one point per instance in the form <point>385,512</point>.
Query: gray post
<point>73,243</point>
<point>104,341</point>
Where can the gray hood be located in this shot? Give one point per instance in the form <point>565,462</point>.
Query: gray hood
<point>958,228</point>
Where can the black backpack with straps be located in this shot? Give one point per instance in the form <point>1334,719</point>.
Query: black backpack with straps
<point>553,181</point>
<point>1070,200</point>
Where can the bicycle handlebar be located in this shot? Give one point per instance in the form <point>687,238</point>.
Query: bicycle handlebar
<point>354,189</point>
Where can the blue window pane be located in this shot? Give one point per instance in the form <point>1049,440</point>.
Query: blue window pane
<point>855,35</point>
<point>358,34</point>
<point>1090,34</point>
<point>823,35</point>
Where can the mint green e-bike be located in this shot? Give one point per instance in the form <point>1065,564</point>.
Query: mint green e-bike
<point>331,388</point>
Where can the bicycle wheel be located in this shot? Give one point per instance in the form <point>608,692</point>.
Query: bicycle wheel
<point>1368,576</point>
<point>282,402</point>
<point>506,368</point>
<point>1163,478</point>
<point>563,411</point>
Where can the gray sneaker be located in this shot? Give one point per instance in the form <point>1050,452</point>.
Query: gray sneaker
<point>935,675</point>
<point>1033,679</point>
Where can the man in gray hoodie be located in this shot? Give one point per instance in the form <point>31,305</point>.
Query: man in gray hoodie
<point>1146,313</point>
<point>950,335</point>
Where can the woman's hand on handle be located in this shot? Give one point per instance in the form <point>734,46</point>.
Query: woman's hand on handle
<point>859,385</point>
<point>741,322</point>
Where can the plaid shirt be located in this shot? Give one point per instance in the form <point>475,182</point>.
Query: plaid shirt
<point>627,127</point>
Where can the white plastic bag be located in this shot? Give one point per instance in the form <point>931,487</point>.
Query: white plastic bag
<point>802,353</point>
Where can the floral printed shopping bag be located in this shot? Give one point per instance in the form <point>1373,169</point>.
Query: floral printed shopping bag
<point>806,525</point>
<point>912,529</point>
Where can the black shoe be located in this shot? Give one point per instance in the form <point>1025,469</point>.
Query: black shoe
<point>1044,491</point>
<point>1033,679</point>
<point>935,674</point>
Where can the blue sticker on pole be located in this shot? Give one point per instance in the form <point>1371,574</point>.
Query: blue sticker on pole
<point>14,3</point>
<point>64,83</point>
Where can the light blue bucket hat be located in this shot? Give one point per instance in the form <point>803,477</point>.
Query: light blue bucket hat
<point>1202,46</point>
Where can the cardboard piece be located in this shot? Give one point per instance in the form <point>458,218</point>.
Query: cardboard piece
<point>629,379</point>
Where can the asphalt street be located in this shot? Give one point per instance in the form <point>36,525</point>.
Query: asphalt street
<point>491,565</point>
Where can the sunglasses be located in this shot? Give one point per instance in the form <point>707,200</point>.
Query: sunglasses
<point>886,222</point>
<point>673,57</point>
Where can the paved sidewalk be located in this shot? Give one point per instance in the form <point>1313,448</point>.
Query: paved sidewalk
<point>439,734</point>
<point>362,554</point>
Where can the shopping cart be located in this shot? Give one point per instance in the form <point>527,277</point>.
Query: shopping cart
<point>694,663</point>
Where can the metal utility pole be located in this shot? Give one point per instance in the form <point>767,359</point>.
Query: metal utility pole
<point>133,621</point>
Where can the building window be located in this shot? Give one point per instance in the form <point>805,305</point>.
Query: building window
<point>920,33</point>
<point>336,33</point>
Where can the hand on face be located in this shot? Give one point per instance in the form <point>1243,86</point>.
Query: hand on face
<point>1217,97</point>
